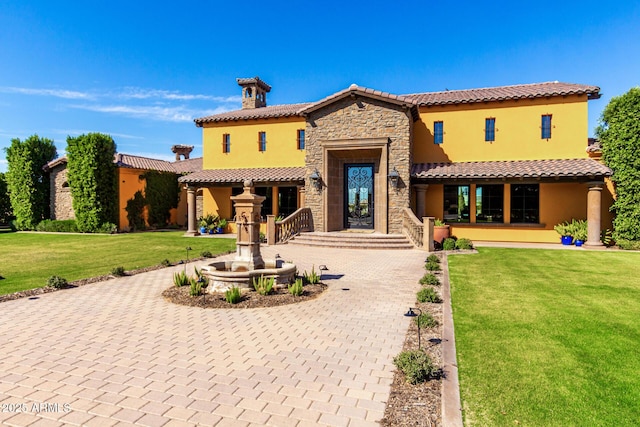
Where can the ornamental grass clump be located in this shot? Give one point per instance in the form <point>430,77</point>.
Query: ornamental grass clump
<point>263,285</point>
<point>312,278</point>
<point>449,244</point>
<point>180,279</point>
<point>118,271</point>
<point>426,320</point>
<point>195,287</point>
<point>430,279</point>
<point>57,282</point>
<point>428,295</point>
<point>296,288</point>
<point>233,295</point>
<point>416,365</point>
<point>432,266</point>
<point>433,258</point>
<point>464,243</point>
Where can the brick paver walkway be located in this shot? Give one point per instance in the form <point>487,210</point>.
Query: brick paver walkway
<point>116,353</point>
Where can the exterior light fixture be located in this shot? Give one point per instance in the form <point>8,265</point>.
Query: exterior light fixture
<point>316,181</point>
<point>185,264</point>
<point>394,178</point>
<point>412,313</point>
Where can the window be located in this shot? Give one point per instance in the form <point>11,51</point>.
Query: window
<point>490,129</point>
<point>438,132</point>
<point>300,139</point>
<point>226,143</point>
<point>456,203</point>
<point>489,203</point>
<point>267,205</point>
<point>546,126</point>
<point>287,201</point>
<point>525,203</point>
<point>262,141</point>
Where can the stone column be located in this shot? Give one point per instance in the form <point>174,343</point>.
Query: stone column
<point>421,190</point>
<point>301,196</point>
<point>427,236</point>
<point>191,211</point>
<point>594,206</point>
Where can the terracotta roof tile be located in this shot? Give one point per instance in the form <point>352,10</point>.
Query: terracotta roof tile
<point>232,176</point>
<point>579,168</point>
<point>138,162</point>
<point>503,93</point>
<point>188,165</point>
<point>273,111</point>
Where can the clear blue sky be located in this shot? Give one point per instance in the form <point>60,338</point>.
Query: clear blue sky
<point>141,71</point>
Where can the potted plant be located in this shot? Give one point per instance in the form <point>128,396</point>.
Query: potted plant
<point>440,230</point>
<point>222,224</point>
<point>203,225</point>
<point>580,232</point>
<point>564,230</point>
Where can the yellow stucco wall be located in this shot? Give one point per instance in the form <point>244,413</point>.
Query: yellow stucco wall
<point>217,201</point>
<point>281,144</point>
<point>517,131</point>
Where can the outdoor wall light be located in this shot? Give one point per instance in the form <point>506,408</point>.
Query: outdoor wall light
<point>316,181</point>
<point>412,313</point>
<point>185,264</point>
<point>394,178</point>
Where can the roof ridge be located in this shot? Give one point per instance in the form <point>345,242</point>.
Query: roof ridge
<point>492,87</point>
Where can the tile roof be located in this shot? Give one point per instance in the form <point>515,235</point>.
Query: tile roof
<point>138,162</point>
<point>570,168</point>
<point>449,97</point>
<point>232,176</point>
<point>254,80</point>
<point>503,93</point>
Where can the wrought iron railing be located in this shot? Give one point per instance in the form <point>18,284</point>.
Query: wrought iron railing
<point>412,227</point>
<point>293,225</point>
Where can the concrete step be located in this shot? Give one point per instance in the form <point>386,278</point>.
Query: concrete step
<point>353,240</point>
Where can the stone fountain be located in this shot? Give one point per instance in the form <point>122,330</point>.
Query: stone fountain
<point>248,262</point>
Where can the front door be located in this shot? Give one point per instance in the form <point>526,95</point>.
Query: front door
<point>358,191</point>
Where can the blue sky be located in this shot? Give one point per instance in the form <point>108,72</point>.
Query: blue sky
<point>141,71</point>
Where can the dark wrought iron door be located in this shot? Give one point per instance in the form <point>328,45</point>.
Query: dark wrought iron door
<point>358,191</point>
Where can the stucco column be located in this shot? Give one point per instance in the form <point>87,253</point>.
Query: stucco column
<point>421,191</point>
<point>301,196</point>
<point>191,211</point>
<point>594,206</point>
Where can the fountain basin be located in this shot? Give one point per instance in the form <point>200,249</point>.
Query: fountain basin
<point>225,274</point>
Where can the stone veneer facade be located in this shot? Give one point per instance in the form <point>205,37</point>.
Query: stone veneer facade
<point>358,129</point>
<point>61,202</point>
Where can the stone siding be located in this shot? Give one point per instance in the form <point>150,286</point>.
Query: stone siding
<point>359,120</point>
<point>61,203</point>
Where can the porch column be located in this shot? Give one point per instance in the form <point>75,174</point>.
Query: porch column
<point>421,190</point>
<point>301,196</point>
<point>191,211</point>
<point>594,206</point>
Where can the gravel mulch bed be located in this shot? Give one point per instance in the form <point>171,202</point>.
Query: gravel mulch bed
<point>250,298</point>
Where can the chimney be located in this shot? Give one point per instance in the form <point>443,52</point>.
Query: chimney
<point>182,150</point>
<point>254,92</point>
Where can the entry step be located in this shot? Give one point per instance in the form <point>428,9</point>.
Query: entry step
<point>353,240</point>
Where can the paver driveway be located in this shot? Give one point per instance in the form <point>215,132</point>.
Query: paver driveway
<point>116,352</point>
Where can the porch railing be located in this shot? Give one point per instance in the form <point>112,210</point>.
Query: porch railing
<point>288,228</point>
<point>419,232</point>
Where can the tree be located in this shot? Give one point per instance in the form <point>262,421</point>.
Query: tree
<point>6,213</point>
<point>27,182</point>
<point>619,135</point>
<point>92,178</point>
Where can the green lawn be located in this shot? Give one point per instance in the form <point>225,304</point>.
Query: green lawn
<point>548,337</point>
<point>28,259</point>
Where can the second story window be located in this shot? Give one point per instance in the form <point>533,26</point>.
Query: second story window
<point>226,143</point>
<point>262,141</point>
<point>490,129</point>
<point>546,126</point>
<point>300,139</point>
<point>438,132</point>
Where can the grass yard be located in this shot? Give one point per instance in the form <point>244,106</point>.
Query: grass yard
<point>28,259</point>
<point>548,337</point>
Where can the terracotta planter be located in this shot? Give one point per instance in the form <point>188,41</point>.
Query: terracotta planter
<point>440,232</point>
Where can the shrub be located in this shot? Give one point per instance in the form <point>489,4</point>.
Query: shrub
<point>464,243</point>
<point>263,237</point>
<point>107,228</point>
<point>416,365</point>
<point>58,226</point>
<point>426,320</point>
<point>311,278</point>
<point>180,279</point>
<point>433,258</point>
<point>263,285</point>
<point>630,245</point>
<point>429,279</point>
<point>606,237</point>
<point>135,212</point>
<point>233,295</point>
<point>428,295</point>
<point>296,289</point>
<point>165,262</point>
<point>118,271</point>
<point>204,280</point>
<point>449,244</point>
<point>195,287</point>
<point>57,282</point>
<point>206,254</point>
<point>432,266</point>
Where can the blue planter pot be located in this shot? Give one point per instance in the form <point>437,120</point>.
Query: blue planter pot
<point>566,240</point>
<point>579,242</point>
<point>211,231</point>
<point>203,230</point>
<point>219,230</point>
